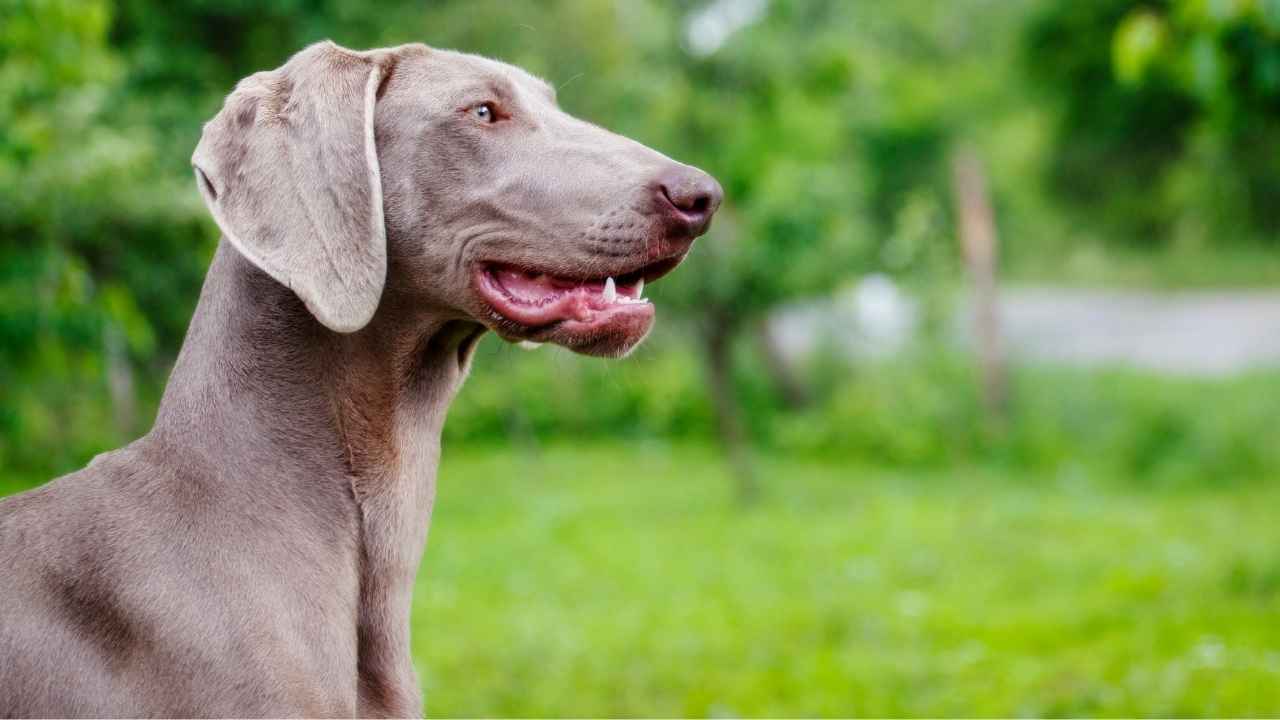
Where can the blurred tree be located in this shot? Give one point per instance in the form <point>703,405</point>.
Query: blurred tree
<point>768,113</point>
<point>104,239</point>
<point>1169,114</point>
<point>821,118</point>
<point>94,242</point>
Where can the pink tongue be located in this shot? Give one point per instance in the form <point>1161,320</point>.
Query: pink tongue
<point>526,288</point>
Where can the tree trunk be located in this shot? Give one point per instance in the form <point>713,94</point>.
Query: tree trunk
<point>794,394</point>
<point>124,406</point>
<point>978,241</point>
<point>718,340</point>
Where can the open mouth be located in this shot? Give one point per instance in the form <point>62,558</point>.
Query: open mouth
<point>602,315</point>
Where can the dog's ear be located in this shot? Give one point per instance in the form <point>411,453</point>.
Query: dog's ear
<point>289,170</point>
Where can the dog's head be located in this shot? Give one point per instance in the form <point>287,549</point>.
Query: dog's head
<point>451,180</point>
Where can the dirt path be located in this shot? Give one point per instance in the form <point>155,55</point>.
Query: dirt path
<point>1198,333</point>
<point>1186,332</point>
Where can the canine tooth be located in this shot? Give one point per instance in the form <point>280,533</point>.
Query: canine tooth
<point>639,288</point>
<point>610,291</point>
<point>530,345</point>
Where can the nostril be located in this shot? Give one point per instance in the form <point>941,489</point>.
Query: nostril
<point>666,193</point>
<point>692,194</point>
<point>673,198</point>
<point>690,201</point>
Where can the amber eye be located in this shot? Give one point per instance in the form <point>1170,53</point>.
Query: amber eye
<point>485,113</point>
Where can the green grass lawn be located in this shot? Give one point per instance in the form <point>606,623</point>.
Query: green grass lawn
<point>622,581</point>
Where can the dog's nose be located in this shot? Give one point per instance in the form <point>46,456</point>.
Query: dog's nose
<point>691,195</point>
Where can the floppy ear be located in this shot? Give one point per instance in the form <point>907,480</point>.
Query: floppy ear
<point>289,171</point>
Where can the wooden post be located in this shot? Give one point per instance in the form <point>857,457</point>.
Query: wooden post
<point>718,334</point>
<point>981,252</point>
<point>124,406</point>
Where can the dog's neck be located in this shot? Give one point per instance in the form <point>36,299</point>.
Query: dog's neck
<point>322,400</point>
<point>299,413</point>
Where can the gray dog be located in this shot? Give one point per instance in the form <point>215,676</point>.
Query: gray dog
<point>255,553</point>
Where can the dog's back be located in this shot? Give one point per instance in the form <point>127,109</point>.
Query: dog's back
<point>62,627</point>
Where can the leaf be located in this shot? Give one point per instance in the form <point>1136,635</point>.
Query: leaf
<point>1136,45</point>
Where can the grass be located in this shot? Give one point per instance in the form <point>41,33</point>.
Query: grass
<point>621,581</point>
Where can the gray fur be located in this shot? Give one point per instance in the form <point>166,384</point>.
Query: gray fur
<point>255,553</point>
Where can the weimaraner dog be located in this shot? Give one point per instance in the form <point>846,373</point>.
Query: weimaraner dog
<point>255,553</point>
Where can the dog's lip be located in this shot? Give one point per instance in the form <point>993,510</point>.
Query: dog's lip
<point>569,309</point>
<point>534,298</point>
<point>624,275</point>
<point>531,305</point>
<point>571,321</point>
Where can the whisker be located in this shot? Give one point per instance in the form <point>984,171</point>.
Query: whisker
<point>562,85</point>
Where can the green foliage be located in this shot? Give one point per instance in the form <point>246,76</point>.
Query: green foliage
<point>830,124</point>
<point>1151,430</point>
<point>93,243</point>
<point>919,412</point>
<point>552,394</point>
<point>1169,119</point>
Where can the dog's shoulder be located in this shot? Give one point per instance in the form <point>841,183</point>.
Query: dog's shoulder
<point>89,505</point>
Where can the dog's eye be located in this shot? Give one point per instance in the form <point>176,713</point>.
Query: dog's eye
<point>485,113</point>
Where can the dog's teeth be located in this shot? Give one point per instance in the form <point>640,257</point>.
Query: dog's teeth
<point>639,288</point>
<point>530,345</point>
<point>610,291</point>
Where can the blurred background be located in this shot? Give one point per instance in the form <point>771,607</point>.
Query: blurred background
<point>968,404</point>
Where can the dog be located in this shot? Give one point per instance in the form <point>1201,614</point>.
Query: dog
<point>255,553</point>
